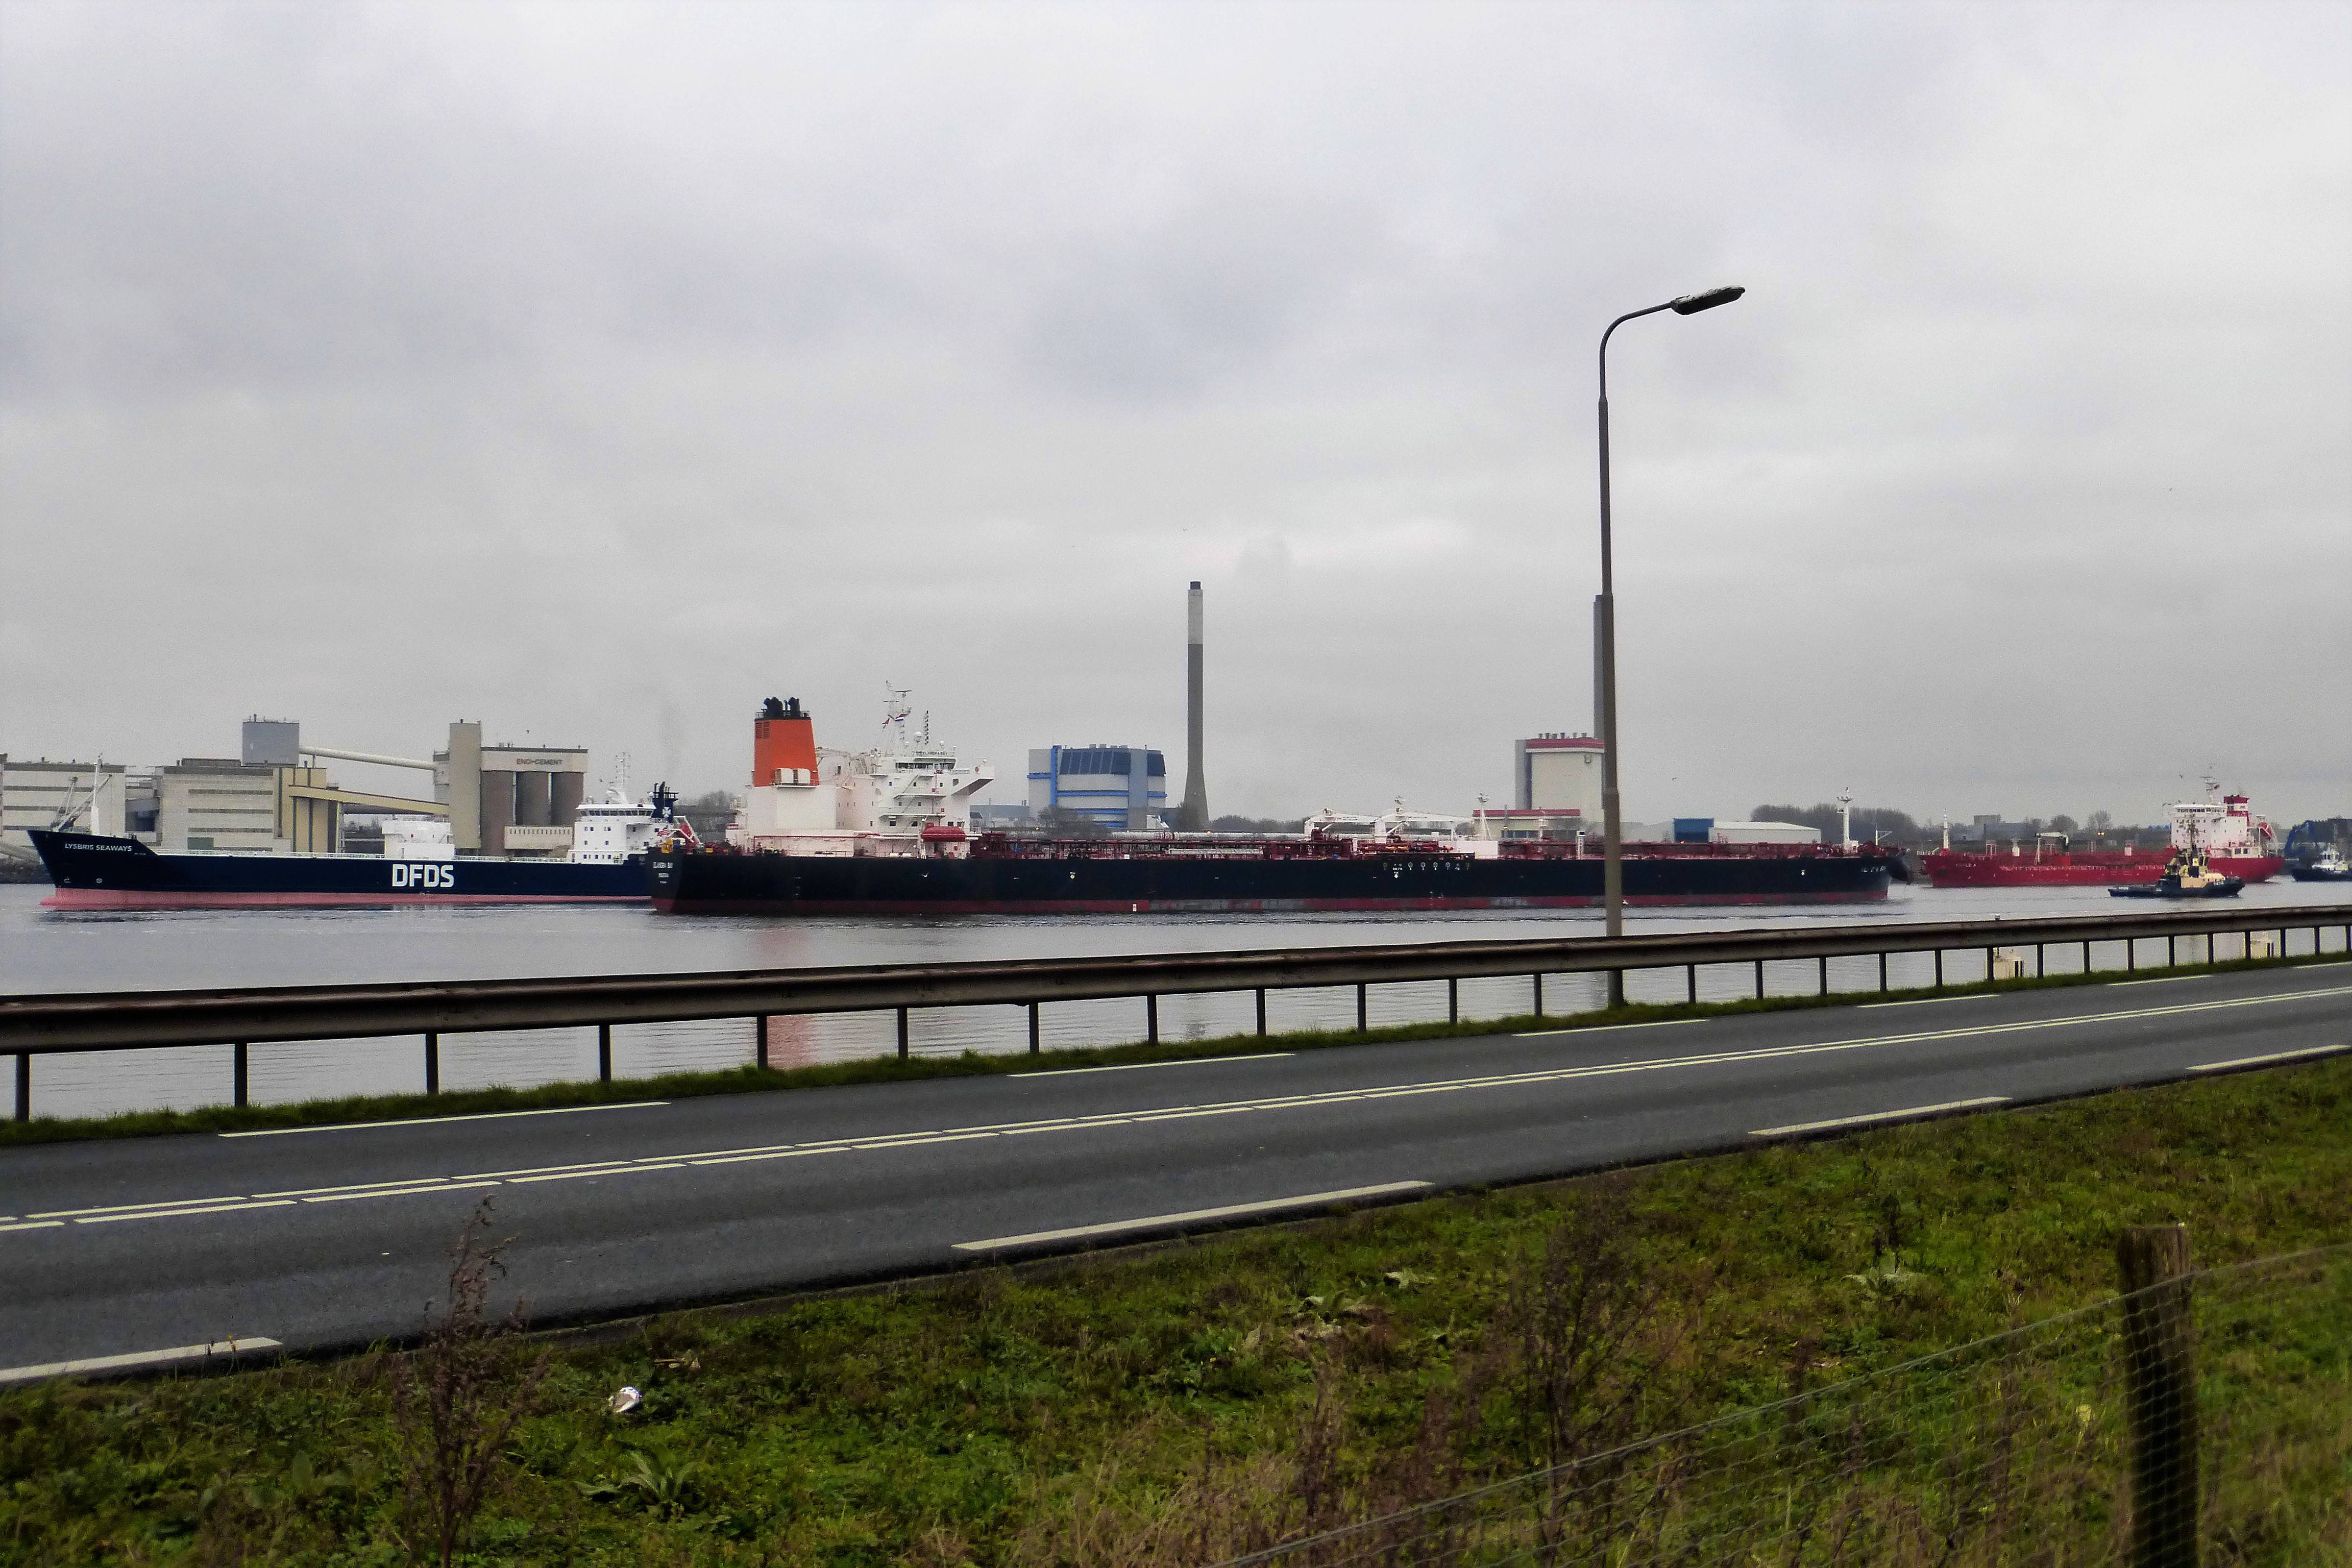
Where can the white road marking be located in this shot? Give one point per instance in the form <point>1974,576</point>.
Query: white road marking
<point>2157,980</point>
<point>397,1192</point>
<point>1229,1211</point>
<point>136,1358</point>
<point>2273,1057</point>
<point>431,1121</point>
<point>1608,1028</point>
<point>36,1224</point>
<point>1136,1067</point>
<point>1878,1116</point>
<point>1923,1001</point>
<point>354,1187</point>
<point>116,1208</point>
<point>183,1213</point>
<point>629,1170</point>
<point>163,1210</point>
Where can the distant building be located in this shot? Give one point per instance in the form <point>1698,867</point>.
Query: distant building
<point>1121,787</point>
<point>509,800</point>
<point>85,797</point>
<point>1555,791</point>
<point>218,802</point>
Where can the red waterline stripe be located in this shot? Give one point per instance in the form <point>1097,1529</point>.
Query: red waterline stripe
<point>1209,906</point>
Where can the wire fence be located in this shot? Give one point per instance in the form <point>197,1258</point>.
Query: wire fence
<point>2202,1419</point>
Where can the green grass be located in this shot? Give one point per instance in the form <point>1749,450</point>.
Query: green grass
<point>1159,1405</point>
<point>970,1064</point>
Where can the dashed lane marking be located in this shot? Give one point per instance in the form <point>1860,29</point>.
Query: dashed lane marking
<point>1924,1001</point>
<point>1191,1216</point>
<point>432,1120</point>
<point>134,1359</point>
<point>421,1184</point>
<point>2304,1053</point>
<point>1139,1066</point>
<point>1867,1117</point>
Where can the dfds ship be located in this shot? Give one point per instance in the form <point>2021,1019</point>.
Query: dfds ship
<point>888,832</point>
<point>606,864</point>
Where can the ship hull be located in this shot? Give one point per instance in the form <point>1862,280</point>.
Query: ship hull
<point>887,885</point>
<point>1946,869</point>
<point>92,872</point>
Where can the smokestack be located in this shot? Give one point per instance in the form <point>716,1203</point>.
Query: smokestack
<point>1195,812</point>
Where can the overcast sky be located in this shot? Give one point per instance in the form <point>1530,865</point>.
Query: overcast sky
<point>597,371</point>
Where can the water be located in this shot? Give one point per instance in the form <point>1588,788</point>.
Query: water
<point>54,950</point>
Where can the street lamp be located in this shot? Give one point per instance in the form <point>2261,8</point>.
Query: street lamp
<point>1612,870</point>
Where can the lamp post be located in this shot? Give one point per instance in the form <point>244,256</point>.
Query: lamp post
<point>1612,870</point>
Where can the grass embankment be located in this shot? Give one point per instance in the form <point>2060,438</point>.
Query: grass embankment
<point>1171,1405</point>
<point>750,1079</point>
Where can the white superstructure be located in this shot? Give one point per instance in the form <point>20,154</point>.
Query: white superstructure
<point>2227,828</point>
<point>911,795</point>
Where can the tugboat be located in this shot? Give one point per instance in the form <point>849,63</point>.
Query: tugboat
<point>2328,866</point>
<point>2186,876</point>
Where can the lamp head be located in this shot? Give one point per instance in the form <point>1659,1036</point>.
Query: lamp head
<point>1692,304</point>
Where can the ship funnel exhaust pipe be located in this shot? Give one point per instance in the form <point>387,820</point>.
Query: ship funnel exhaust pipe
<point>1195,812</point>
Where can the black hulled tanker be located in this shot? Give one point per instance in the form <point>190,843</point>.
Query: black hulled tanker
<point>994,875</point>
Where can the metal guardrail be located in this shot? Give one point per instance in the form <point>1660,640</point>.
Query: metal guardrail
<point>139,1020</point>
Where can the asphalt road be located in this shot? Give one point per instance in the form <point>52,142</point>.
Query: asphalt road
<point>327,1237</point>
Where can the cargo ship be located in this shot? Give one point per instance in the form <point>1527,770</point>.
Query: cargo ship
<point>420,865</point>
<point>888,832</point>
<point>2233,841</point>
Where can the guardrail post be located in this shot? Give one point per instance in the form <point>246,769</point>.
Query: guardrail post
<point>1989,952</point>
<point>1453,1001</point>
<point>1882,974</point>
<point>1538,977</point>
<point>902,1034</point>
<point>1034,1043</point>
<point>2171,949</point>
<point>2038,948</point>
<point>239,1061</point>
<point>1940,968</point>
<point>1151,1015</point>
<point>432,1063</point>
<point>605,1049</point>
<point>2160,1393</point>
<point>1759,980</point>
<point>1261,1012</point>
<point>2087,956</point>
<point>1690,984</point>
<point>1825,974</point>
<point>23,1086</point>
<point>1363,1008</point>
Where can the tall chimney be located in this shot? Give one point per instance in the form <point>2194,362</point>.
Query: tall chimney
<point>1195,812</point>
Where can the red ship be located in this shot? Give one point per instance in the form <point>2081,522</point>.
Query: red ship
<point>2236,844</point>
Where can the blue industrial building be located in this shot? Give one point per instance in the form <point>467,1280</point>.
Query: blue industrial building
<point>1122,787</point>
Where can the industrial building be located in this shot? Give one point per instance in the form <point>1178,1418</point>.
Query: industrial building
<point>509,800</point>
<point>1555,790</point>
<point>84,797</point>
<point>1121,787</point>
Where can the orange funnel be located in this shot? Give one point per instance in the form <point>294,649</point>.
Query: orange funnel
<point>784,745</point>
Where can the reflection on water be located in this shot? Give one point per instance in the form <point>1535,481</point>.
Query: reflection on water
<point>48,951</point>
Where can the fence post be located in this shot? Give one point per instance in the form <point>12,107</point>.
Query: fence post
<point>902,1034</point>
<point>2087,957</point>
<point>605,1046</point>
<point>1152,1017</point>
<point>1261,1012</point>
<point>1940,968</point>
<point>1825,974</point>
<point>2160,1393</point>
<point>432,1063</point>
<point>1759,980</point>
<point>1363,1008</point>
<point>1882,974</point>
<point>1453,1001</point>
<point>1034,1043</point>
<point>23,1086</point>
<point>1538,980</point>
<point>238,1075</point>
<point>1989,952</point>
<point>2038,948</point>
<point>1690,982</point>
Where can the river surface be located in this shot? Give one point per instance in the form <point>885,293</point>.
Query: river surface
<point>44,950</point>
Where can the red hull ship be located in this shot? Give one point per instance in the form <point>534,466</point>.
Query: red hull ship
<point>2236,844</point>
